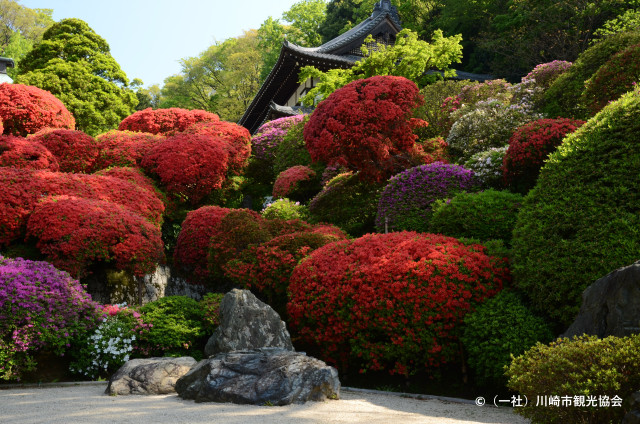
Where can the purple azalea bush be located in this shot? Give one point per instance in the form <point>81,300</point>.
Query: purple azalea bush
<point>270,135</point>
<point>545,73</point>
<point>405,203</point>
<point>41,308</point>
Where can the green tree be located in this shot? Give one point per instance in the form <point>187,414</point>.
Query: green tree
<point>75,64</point>
<point>175,93</point>
<point>305,19</point>
<point>409,58</point>
<point>271,34</point>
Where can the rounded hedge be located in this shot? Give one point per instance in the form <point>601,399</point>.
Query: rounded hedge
<point>487,166</point>
<point>580,221</point>
<point>18,152</point>
<point>488,215</point>
<point>285,209</point>
<point>406,202</point>
<point>124,148</point>
<point>500,327</point>
<point>164,121</point>
<point>390,302</point>
<point>292,150</point>
<point>584,366</point>
<point>299,183</point>
<point>75,150</point>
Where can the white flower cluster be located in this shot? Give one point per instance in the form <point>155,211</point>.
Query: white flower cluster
<point>487,166</point>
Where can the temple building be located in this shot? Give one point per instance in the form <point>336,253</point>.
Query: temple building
<point>4,63</point>
<point>281,93</point>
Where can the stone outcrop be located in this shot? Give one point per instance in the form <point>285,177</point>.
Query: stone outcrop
<point>611,305</point>
<point>247,323</point>
<point>270,376</point>
<point>150,376</point>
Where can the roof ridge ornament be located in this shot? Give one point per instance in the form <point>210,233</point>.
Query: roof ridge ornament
<point>386,6</point>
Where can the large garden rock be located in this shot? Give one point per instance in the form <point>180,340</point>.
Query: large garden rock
<point>262,376</point>
<point>247,323</point>
<point>611,305</point>
<point>151,376</point>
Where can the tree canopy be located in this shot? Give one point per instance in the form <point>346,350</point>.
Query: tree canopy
<point>75,64</point>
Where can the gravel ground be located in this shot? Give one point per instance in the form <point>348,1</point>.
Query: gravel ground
<point>88,404</point>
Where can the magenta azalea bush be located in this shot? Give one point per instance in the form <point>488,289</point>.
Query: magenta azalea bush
<point>546,73</point>
<point>269,136</point>
<point>41,308</point>
<point>406,201</point>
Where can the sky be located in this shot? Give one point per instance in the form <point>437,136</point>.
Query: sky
<point>149,37</point>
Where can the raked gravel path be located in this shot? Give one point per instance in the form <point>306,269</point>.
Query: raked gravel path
<point>88,404</point>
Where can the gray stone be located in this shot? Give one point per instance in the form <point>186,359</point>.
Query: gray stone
<point>270,376</point>
<point>633,416</point>
<point>150,376</point>
<point>247,323</point>
<point>610,306</point>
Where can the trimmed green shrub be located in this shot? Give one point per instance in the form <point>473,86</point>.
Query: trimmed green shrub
<point>584,368</point>
<point>347,202</point>
<point>292,150</point>
<point>178,328</point>
<point>561,99</point>
<point>581,220</point>
<point>285,209</point>
<point>486,215</point>
<point>502,326</point>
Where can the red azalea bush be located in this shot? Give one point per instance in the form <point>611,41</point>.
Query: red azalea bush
<point>291,180</point>
<point>133,175</point>
<point>238,141</point>
<point>529,147</point>
<point>390,301</point>
<point>75,150</point>
<point>25,109</point>
<point>74,233</point>
<point>364,124</point>
<point>266,268</point>
<point>41,308</point>
<point>617,76</point>
<point>124,148</point>
<point>190,166</point>
<point>164,121</point>
<point>20,191</point>
<point>190,255</point>
<point>431,150</point>
<point>18,152</point>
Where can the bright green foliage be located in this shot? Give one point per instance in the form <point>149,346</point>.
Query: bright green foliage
<point>286,209</point>
<point>562,98</point>
<point>486,215</point>
<point>271,34</point>
<point>628,21</point>
<point>502,326</point>
<point>581,220</point>
<point>408,58</point>
<point>349,203</point>
<point>584,366</point>
<point>75,65</point>
<point>306,17</point>
<point>178,327</point>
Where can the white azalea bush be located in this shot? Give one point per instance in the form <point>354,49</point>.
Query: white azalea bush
<point>101,352</point>
<point>487,166</point>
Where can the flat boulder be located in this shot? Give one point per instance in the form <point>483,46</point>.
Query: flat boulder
<point>149,376</point>
<point>267,376</point>
<point>247,323</point>
<point>610,306</point>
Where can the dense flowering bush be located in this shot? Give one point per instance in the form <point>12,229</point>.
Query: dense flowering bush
<point>292,150</point>
<point>190,255</point>
<point>164,121</point>
<point>488,124</point>
<point>177,328</point>
<point>74,233</point>
<point>587,367</point>
<point>266,268</point>
<point>210,305</point>
<point>432,150</point>
<point>332,171</point>
<point>347,202</point>
<point>124,148</point>
<point>285,209</point>
<point>614,78</point>
<point>406,201</point>
<point>529,147</point>
<point>75,150</point>
<point>578,223</point>
<point>41,308</point>
<point>101,352</point>
<point>25,109</point>
<point>487,166</point>
<point>489,343</point>
<point>545,73</point>
<point>390,301</point>
<point>20,191</point>
<point>472,94</point>
<point>364,124</point>
<point>237,141</point>
<point>488,215</point>
<point>298,183</point>
<point>18,152</point>
<point>433,111</point>
<point>266,140</point>
<point>133,175</point>
<point>189,166</point>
